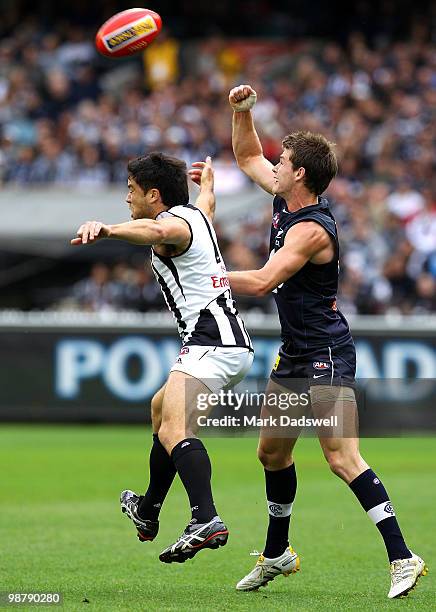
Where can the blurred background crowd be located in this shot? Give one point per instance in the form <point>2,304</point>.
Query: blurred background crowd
<point>71,119</point>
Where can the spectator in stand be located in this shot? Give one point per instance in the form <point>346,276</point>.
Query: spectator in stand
<point>421,231</point>
<point>144,293</point>
<point>161,62</point>
<point>92,173</point>
<point>53,165</point>
<point>98,292</point>
<point>405,202</point>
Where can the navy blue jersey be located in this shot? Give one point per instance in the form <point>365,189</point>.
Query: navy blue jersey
<point>306,302</point>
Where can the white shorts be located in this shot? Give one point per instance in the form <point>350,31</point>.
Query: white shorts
<point>217,367</point>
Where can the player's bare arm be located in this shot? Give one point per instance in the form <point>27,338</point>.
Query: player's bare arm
<point>202,174</point>
<point>306,241</point>
<point>172,231</point>
<point>246,144</point>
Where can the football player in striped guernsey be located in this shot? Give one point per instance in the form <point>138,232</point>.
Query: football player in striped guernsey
<point>216,350</point>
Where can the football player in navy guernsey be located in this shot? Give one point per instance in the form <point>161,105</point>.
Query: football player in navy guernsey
<point>216,349</point>
<point>302,271</point>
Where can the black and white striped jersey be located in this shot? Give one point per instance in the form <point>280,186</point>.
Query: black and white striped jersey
<point>196,287</point>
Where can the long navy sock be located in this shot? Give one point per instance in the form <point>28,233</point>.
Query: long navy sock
<point>162,472</point>
<point>281,487</point>
<point>193,465</point>
<point>371,493</point>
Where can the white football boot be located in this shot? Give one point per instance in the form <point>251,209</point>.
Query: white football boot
<point>405,574</point>
<point>266,570</point>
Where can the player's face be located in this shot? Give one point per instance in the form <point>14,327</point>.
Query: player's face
<point>284,174</point>
<point>140,203</point>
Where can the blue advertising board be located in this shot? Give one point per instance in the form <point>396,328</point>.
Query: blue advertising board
<point>87,374</point>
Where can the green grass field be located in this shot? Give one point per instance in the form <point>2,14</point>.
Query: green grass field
<point>61,528</point>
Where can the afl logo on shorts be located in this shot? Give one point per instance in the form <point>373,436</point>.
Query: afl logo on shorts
<point>184,350</point>
<point>321,365</point>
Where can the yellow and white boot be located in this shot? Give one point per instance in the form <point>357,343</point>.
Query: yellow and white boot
<point>266,570</point>
<point>405,574</point>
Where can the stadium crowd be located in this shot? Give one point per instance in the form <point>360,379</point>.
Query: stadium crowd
<point>69,118</point>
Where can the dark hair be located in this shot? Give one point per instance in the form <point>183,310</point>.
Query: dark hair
<point>162,172</point>
<point>315,154</point>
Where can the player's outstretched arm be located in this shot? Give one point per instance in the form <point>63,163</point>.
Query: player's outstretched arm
<point>303,241</point>
<point>141,231</point>
<point>202,174</point>
<point>246,144</point>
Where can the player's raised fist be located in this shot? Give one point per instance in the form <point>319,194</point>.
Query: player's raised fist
<point>242,98</point>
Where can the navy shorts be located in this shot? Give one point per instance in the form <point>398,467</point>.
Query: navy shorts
<point>335,365</point>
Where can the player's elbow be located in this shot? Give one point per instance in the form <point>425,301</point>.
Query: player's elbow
<point>161,234</point>
<point>242,161</point>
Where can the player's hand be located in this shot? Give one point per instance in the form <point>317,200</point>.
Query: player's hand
<point>196,171</point>
<point>242,98</point>
<point>90,232</point>
<point>207,175</point>
<point>201,174</point>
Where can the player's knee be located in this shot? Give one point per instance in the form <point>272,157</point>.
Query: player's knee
<point>171,433</point>
<point>273,458</point>
<point>166,437</point>
<point>156,411</point>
